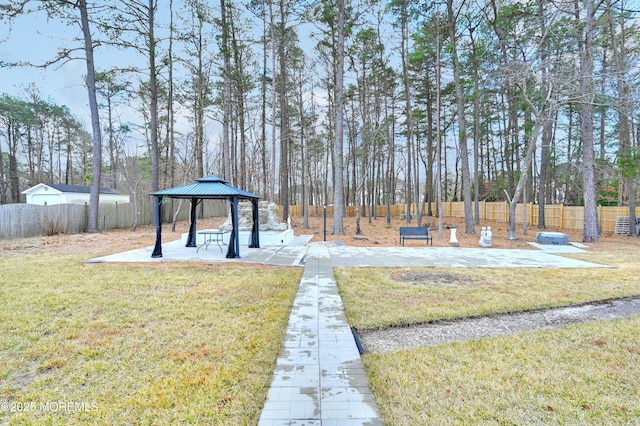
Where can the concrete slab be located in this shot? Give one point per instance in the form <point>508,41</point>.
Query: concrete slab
<point>294,255</point>
<point>171,252</point>
<point>451,257</point>
<point>559,249</point>
<point>175,251</point>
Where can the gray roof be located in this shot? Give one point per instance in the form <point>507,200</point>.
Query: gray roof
<point>208,187</point>
<point>80,189</point>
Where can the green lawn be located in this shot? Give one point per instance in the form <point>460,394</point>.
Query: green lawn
<point>194,343</point>
<point>144,344</point>
<point>585,374</point>
<point>382,297</point>
<point>582,374</point>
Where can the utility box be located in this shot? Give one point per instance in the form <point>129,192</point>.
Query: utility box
<point>554,238</point>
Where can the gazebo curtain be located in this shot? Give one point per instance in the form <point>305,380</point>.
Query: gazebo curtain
<point>255,236</point>
<point>157,249</point>
<point>234,244</point>
<point>191,240</point>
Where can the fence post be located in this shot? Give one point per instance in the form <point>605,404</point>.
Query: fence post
<point>600,220</point>
<point>530,215</point>
<point>506,212</point>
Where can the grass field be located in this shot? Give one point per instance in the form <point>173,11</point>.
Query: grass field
<point>178,343</point>
<point>382,297</point>
<point>583,374</point>
<point>145,344</point>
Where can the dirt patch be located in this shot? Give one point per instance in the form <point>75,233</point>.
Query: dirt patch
<point>433,278</point>
<point>98,244</point>
<point>376,232</point>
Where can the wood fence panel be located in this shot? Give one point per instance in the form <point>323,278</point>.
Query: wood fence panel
<point>552,216</point>
<point>573,217</point>
<point>609,215</point>
<point>519,214</point>
<point>556,216</point>
<point>27,220</point>
<point>72,217</point>
<point>497,212</point>
<point>533,215</point>
<point>14,221</point>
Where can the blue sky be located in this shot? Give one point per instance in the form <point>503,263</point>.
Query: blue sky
<point>35,39</point>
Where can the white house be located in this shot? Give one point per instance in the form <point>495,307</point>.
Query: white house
<point>50,193</point>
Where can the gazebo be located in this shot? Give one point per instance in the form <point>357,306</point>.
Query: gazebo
<point>208,188</point>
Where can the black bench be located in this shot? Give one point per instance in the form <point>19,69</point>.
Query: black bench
<point>415,233</point>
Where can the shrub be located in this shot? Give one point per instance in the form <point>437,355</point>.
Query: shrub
<point>53,226</point>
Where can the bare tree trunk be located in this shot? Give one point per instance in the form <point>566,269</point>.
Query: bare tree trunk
<point>438,131</point>
<point>304,154</point>
<point>226,114</point>
<point>274,102</point>
<point>338,189</point>
<point>94,196</point>
<point>547,132</point>
<point>284,116</point>
<point>476,132</point>
<point>513,201</point>
<point>3,188</point>
<point>625,154</point>
<point>153,107</point>
<point>462,126</point>
<point>547,135</point>
<point>171,160</point>
<point>404,25</point>
<point>263,107</point>
<point>585,45</point>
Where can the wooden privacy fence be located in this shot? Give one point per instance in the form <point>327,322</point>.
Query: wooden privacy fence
<point>556,216</point>
<point>29,220</point>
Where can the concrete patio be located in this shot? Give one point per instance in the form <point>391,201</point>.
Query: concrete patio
<point>293,254</point>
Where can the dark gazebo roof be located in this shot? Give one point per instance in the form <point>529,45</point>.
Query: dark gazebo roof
<point>208,188</point>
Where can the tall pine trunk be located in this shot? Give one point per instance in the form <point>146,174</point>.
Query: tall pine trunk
<point>94,196</point>
<point>462,125</point>
<point>585,47</point>
<point>338,189</point>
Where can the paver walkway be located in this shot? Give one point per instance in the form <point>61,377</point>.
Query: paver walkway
<point>319,377</point>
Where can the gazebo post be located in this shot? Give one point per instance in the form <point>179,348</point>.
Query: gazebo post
<point>191,240</point>
<point>235,226</point>
<point>255,230</point>
<point>157,249</point>
<point>234,243</point>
